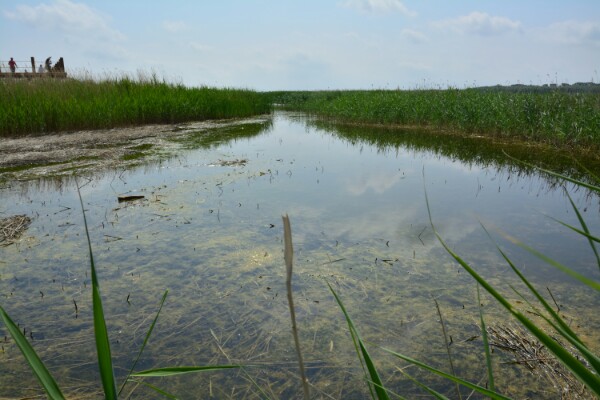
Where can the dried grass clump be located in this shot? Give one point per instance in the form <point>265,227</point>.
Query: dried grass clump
<point>11,228</point>
<point>530,353</point>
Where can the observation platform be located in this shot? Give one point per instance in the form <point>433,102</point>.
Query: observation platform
<point>31,71</point>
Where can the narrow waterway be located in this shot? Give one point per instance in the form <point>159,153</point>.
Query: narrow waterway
<point>208,229</point>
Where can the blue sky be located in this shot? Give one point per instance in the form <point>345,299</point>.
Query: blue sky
<point>313,44</point>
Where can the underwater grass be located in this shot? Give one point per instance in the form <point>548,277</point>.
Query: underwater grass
<point>52,105</point>
<point>372,376</point>
<point>39,369</point>
<point>587,374</point>
<point>102,341</point>
<point>578,368</point>
<point>556,117</point>
<point>105,365</point>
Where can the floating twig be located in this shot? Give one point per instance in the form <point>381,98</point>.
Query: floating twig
<point>121,199</point>
<point>333,261</point>
<point>419,236</point>
<point>110,238</point>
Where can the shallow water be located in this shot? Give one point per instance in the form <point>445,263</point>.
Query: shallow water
<point>209,230</point>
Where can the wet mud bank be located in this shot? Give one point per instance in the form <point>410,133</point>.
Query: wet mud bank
<point>30,157</point>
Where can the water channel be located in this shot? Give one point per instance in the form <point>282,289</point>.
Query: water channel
<point>209,231</point>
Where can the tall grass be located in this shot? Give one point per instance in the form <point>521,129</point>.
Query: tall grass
<point>52,105</point>
<point>560,118</point>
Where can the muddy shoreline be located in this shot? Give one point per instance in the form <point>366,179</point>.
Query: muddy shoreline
<point>26,158</point>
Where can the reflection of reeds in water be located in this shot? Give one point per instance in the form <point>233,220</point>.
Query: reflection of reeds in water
<point>559,118</point>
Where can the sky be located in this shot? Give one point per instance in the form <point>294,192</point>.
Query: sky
<point>312,44</point>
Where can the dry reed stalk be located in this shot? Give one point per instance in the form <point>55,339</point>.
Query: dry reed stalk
<point>288,257</point>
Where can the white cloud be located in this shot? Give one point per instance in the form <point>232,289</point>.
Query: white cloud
<point>174,26</point>
<point>414,36</point>
<point>378,6</point>
<point>67,17</point>
<point>572,33</point>
<point>481,24</point>
<point>379,183</point>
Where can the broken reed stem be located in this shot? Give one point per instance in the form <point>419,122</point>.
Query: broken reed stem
<point>288,257</point>
<point>437,306</point>
<point>553,299</point>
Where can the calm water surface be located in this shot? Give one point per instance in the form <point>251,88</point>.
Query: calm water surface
<point>209,231</point>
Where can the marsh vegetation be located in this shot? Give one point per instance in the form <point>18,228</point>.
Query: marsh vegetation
<point>208,230</point>
<point>49,106</point>
<point>560,118</point>
<point>202,221</point>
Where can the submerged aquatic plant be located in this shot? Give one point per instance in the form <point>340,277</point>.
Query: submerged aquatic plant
<point>586,367</point>
<point>104,357</point>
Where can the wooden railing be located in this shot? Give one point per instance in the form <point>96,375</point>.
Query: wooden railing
<point>43,71</point>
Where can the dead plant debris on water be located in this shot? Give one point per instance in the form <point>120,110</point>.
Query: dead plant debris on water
<point>11,228</point>
<point>232,163</point>
<point>528,352</point>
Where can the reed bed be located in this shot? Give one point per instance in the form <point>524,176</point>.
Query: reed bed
<point>46,105</point>
<point>556,117</point>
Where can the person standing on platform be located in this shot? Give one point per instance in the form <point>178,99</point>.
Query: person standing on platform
<point>12,65</point>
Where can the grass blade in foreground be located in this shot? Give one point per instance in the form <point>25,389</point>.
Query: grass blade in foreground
<point>162,301</point>
<point>447,344</point>
<point>591,380</point>
<point>482,390</point>
<point>172,371</point>
<point>46,380</point>
<point>434,393</point>
<point>486,345</point>
<point>372,372</point>
<point>574,274</point>
<point>560,325</point>
<point>585,228</point>
<point>100,331</point>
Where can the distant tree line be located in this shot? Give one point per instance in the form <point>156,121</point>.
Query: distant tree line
<point>579,87</point>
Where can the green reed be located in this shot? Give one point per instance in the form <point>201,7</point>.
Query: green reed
<point>585,366</point>
<point>557,117</point>
<point>103,352</point>
<point>52,105</point>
